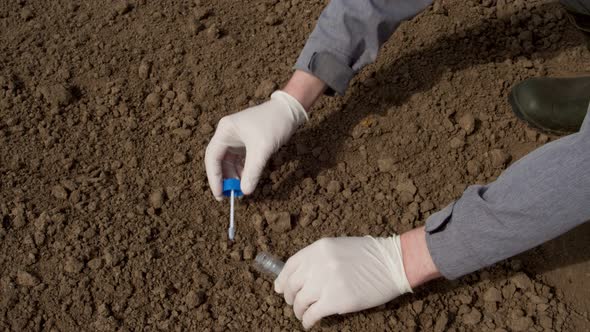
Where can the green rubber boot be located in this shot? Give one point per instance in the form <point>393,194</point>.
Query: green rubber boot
<point>553,105</point>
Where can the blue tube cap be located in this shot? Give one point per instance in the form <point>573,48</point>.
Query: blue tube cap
<point>232,184</point>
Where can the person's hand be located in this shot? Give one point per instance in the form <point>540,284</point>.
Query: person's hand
<point>342,275</point>
<point>244,141</point>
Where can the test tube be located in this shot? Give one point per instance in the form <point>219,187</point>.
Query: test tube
<point>231,231</point>
<point>268,264</point>
<point>231,189</point>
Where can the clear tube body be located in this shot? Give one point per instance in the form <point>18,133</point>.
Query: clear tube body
<point>231,231</point>
<point>268,264</point>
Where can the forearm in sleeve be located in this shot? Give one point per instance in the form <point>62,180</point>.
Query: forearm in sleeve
<point>348,36</point>
<point>538,198</point>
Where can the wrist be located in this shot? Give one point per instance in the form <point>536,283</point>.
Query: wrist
<point>418,263</point>
<point>305,87</point>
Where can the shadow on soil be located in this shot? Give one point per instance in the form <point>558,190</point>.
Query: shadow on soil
<point>423,68</point>
<point>478,45</point>
<point>486,43</point>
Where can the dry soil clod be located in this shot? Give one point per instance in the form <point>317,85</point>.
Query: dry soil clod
<point>26,279</point>
<point>179,158</point>
<point>144,70</point>
<point>279,222</point>
<point>157,199</point>
<point>499,158</point>
<point>265,88</point>
<point>467,123</point>
<point>153,100</point>
<point>57,95</point>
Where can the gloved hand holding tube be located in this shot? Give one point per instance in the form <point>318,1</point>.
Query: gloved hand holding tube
<point>244,141</point>
<point>342,275</point>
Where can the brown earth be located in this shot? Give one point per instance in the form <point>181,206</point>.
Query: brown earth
<point>106,109</point>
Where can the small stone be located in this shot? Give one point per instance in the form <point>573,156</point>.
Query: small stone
<point>73,265</point>
<point>407,186</point>
<point>248,253</point>
<point>153,100</point>
<point>59,192</point>
<point>206,129</point>
<point>441,322</point>
<point>194,299</point>
<point>457,142</point>
<point>104,310</point>
<point>406,197</point>
<point>386,165</point>
<point>95,264</point>
<point>334,187</point>
<point>26,14</point>
<point>280,222</point>
<point>526,63</point>
<point>258,222</point>
<point>467,122</point>
<point>236,255</point>
<point>520,323</point>
<point>508,291</point>
<point>531,134</point>
<point>18,214</point>
<point>213,32</point>
<point>272,19</point>
<point>426,206</point>
<point>472,318</point>
<point>57,95</point>
<point>195,27</point>
<point>122,7</point>
<point>26,279</point>
<point>492,295</point>
<point>473,167</point>
<point>157,199</point>
<point>189,121</point>
<point>144,70</point>
<point>265,88</point>
<point>521,281</point>
<point>499,158</point>
<point>323,181</point>
<point>543,139</point>
<point>179,158</point>
<point>465,298</point>
<point>546,322</point>
<point>202,13</point>
<point>182,133</point>
<point>490,307</point>
<point>418,306</point>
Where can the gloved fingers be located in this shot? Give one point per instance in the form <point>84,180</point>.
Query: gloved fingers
<point>304,298</point>
<point>294,285</point>
<point>290,267</point>
<point>213,164</point>
<point>315,312</point>
<point>256,159</point>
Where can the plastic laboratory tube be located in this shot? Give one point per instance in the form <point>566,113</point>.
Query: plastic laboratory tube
<point>231,232</point>
<point>268,264</point>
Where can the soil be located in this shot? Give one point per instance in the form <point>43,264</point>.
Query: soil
<point>107,222</point>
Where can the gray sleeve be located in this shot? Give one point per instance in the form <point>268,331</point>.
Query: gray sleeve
<point>540,197</point>
<point>348,36</point>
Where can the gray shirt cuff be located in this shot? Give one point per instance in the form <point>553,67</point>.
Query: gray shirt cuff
<point>329,67</point>
<point>449,249</point>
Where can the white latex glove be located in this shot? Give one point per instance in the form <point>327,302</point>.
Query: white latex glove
<point>244,141</point>
<point>342,275</point>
